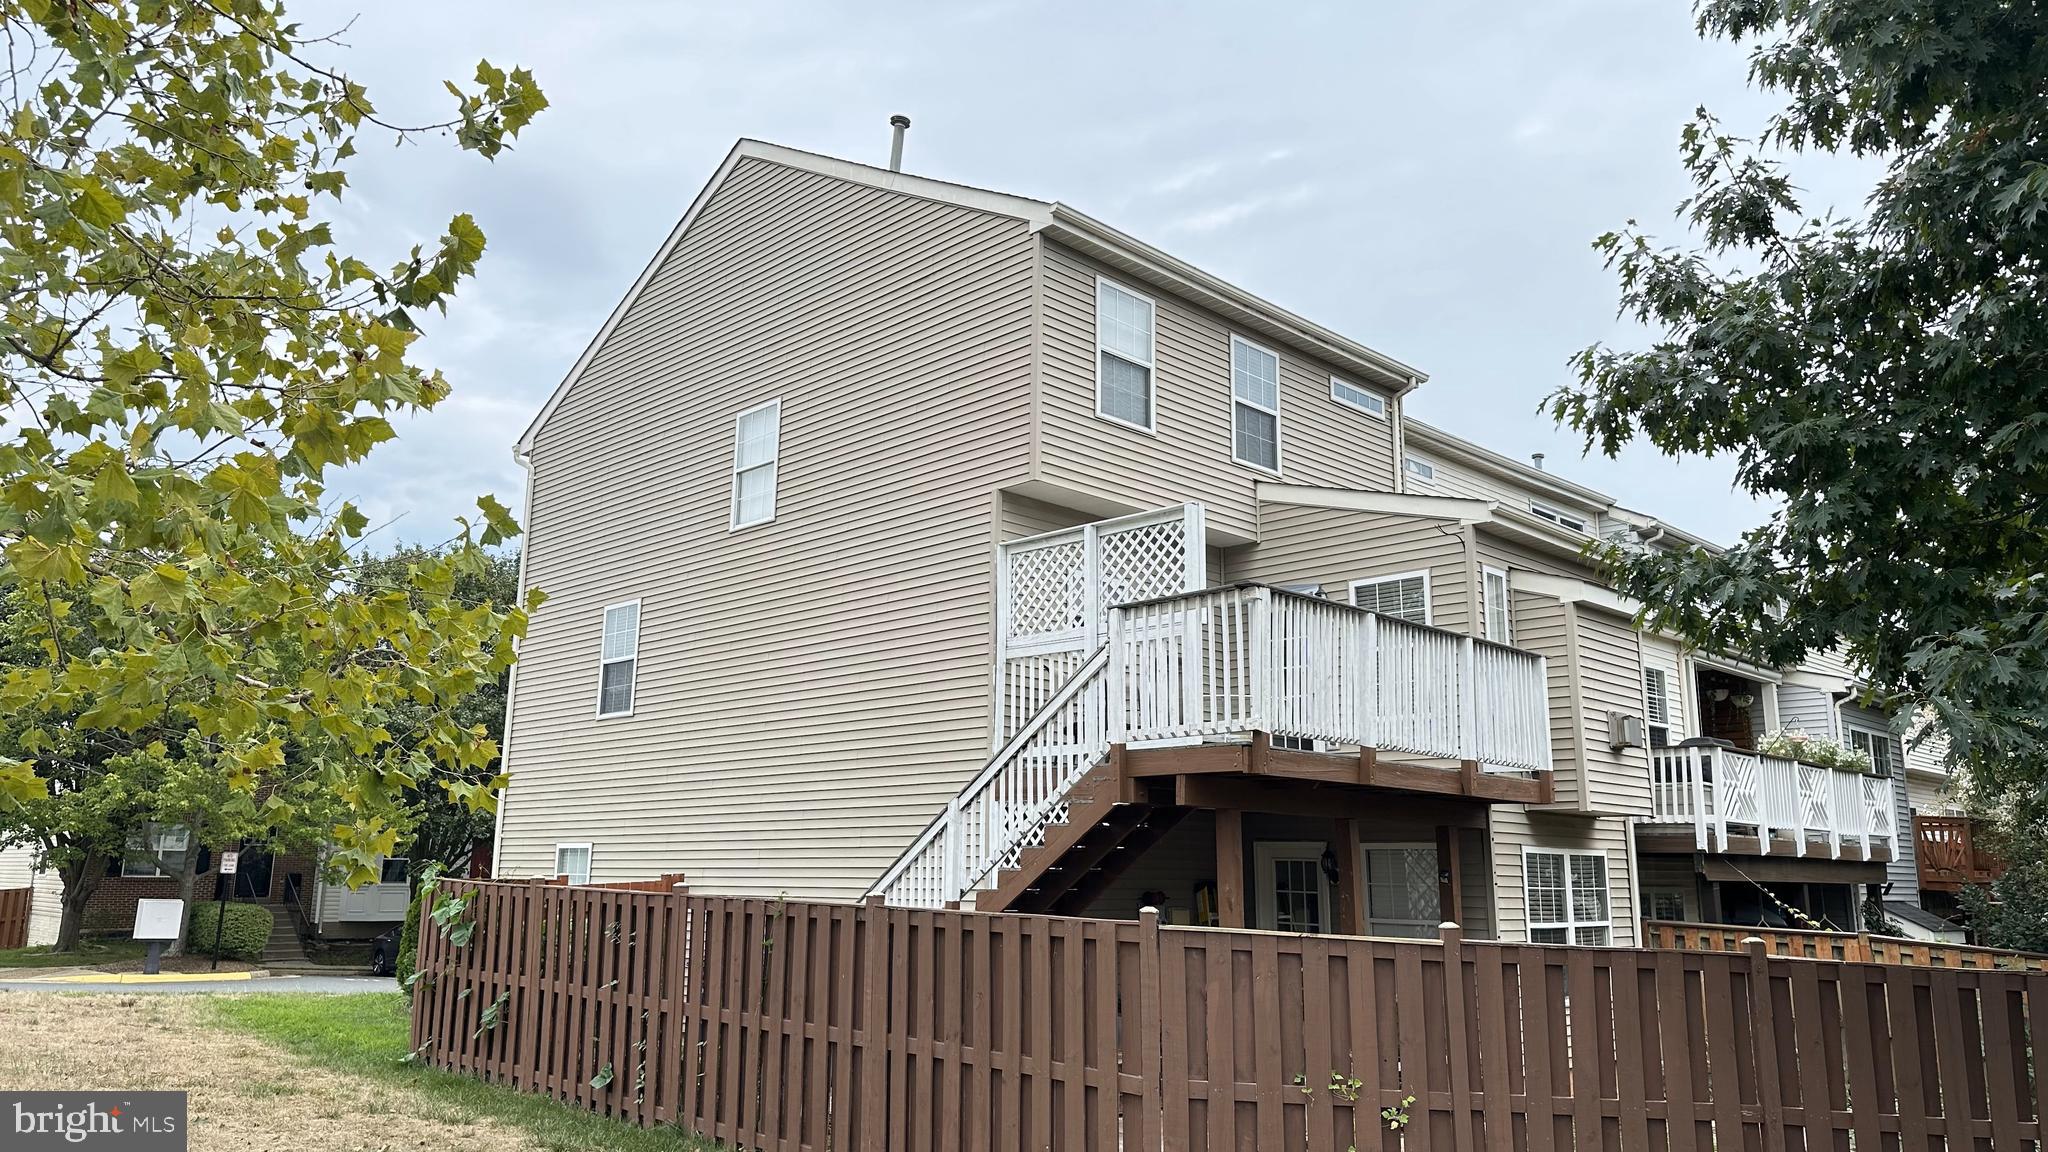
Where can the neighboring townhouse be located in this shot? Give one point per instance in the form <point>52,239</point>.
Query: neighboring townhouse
<point>907,538</point>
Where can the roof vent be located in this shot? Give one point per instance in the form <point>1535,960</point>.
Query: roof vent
<point>1536,458</point>
<point>897,124</point>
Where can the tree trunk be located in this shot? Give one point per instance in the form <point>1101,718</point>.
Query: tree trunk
<point>188,875</point>
<point>81,879</point>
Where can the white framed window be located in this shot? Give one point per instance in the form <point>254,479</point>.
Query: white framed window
<point>1493,596</point>
<point>1293,893</point>
<point>1557,516</point>
<point>1567,898</point>
<point>618,659</point>
<point>1124,336</point>
<point>1418,467</point>
<point>1345,392</point>
<point>1404,596</point>
<point>393,870</point>
<point>756,445</point>
<point>1254,405</point>
<point>155,849</point>
<point>573,862</point>
<point>1657,706</point>
<point>1876,745</point>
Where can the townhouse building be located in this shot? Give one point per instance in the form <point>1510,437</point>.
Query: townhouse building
<point>913,539</point>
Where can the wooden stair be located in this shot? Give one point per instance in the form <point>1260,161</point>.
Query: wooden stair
<point>1111,820</point>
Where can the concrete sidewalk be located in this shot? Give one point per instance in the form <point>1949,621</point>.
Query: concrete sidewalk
<point>86,981</point>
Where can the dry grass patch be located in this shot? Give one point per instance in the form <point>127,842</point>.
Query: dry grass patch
<point>247,1095</point>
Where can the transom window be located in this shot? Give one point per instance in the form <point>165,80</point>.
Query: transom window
<point>156,849</point>
<point>573,861</point>
<point>1254,405</point>
<point>1123,355</point>
<point>1345,392</point>
<point>1494,594</point>
<point>617,662</point>
<point>1557,516</point>
<point>1657,706</point>
<point>1404,597</point>
<point>1418,467</point>
<point>757,440</point>
<point>1877,746</point>
<point>1567,896</point>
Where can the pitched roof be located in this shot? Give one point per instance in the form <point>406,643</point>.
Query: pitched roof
<point>1069,226</point>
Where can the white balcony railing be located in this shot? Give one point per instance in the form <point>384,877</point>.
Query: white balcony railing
<point>1226,663</point>
<point>1714,789</point>
<point>1257,659</point>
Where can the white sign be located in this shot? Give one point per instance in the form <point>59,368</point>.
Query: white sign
<point>158,919</point>
<point>228,860</point>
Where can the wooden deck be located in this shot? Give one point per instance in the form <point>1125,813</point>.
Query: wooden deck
<point>1366,771</point>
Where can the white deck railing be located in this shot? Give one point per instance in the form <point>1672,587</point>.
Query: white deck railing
<point>1258,659</point>
<point>1226,663</point>
<point>1713,789</point>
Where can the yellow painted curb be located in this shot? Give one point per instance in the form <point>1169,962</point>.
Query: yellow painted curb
<point>144,978</point>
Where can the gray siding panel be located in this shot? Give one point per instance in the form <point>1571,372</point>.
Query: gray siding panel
<point>1188,456</point>
<point>809,692</point>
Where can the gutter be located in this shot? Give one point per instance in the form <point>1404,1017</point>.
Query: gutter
<point>1092,236</point>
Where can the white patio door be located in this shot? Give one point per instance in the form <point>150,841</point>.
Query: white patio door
<point>1401,891</point>
<point>1293,894</point>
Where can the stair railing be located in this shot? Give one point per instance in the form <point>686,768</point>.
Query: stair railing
<point>1009,804</point>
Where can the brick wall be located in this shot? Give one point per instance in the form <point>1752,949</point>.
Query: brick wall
<point>112,907</point>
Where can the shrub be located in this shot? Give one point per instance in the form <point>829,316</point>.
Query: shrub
<point>242,938</point>
<point>409,941</point>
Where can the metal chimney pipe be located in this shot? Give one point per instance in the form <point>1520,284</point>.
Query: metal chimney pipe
<point>1536,458</point>
<point>897,123</point>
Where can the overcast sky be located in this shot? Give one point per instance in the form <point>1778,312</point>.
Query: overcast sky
<point>1425,178</point>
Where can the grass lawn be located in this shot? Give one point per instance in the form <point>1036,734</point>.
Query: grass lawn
<point>90,952</point>
<point>368,1035</point>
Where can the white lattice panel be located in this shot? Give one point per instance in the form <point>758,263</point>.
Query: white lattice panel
<point>1048,588</point>
<point>1145,561</point>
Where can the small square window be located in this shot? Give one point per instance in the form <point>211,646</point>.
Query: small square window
<point>573,862</point>
<point>1565,896</point>
<point>1419,468</point>
<point>394,870</point>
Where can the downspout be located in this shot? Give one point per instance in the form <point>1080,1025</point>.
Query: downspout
<point>525,461</point>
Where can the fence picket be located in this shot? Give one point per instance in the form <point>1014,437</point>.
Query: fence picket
<point>814,1026</point>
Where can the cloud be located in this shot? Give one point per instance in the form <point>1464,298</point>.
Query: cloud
<point>1236,211</point>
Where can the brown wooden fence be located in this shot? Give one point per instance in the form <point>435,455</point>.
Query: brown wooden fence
<point>824,1026</point>
<point>14,909</point>
<point>1855,947</point>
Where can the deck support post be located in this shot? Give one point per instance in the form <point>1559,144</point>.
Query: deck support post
<point>1350,918</point>
<point>1229,868</point>
<point>1450,879</point>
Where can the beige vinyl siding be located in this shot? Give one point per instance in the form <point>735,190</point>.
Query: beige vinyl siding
<point>1810,710</point>
<point>1611,681</point>
<point>1514,827</point>
<point>1659,652</point>
<point>809,692</point>
<point>1024,516</point>
<point>1901,871</point>
<point>1333,547</point>
<point>1187,456</point>
<point>1540,627</point>
<point>1458,479</point>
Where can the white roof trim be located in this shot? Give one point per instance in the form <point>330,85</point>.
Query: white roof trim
<point>1081,231</point>
<point>1571,591</point>
<point>1033,211</point>
<point>1434,439</point>
<point>1388,503</point>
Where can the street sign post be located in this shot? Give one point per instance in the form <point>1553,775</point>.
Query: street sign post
<point>229,861</point>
